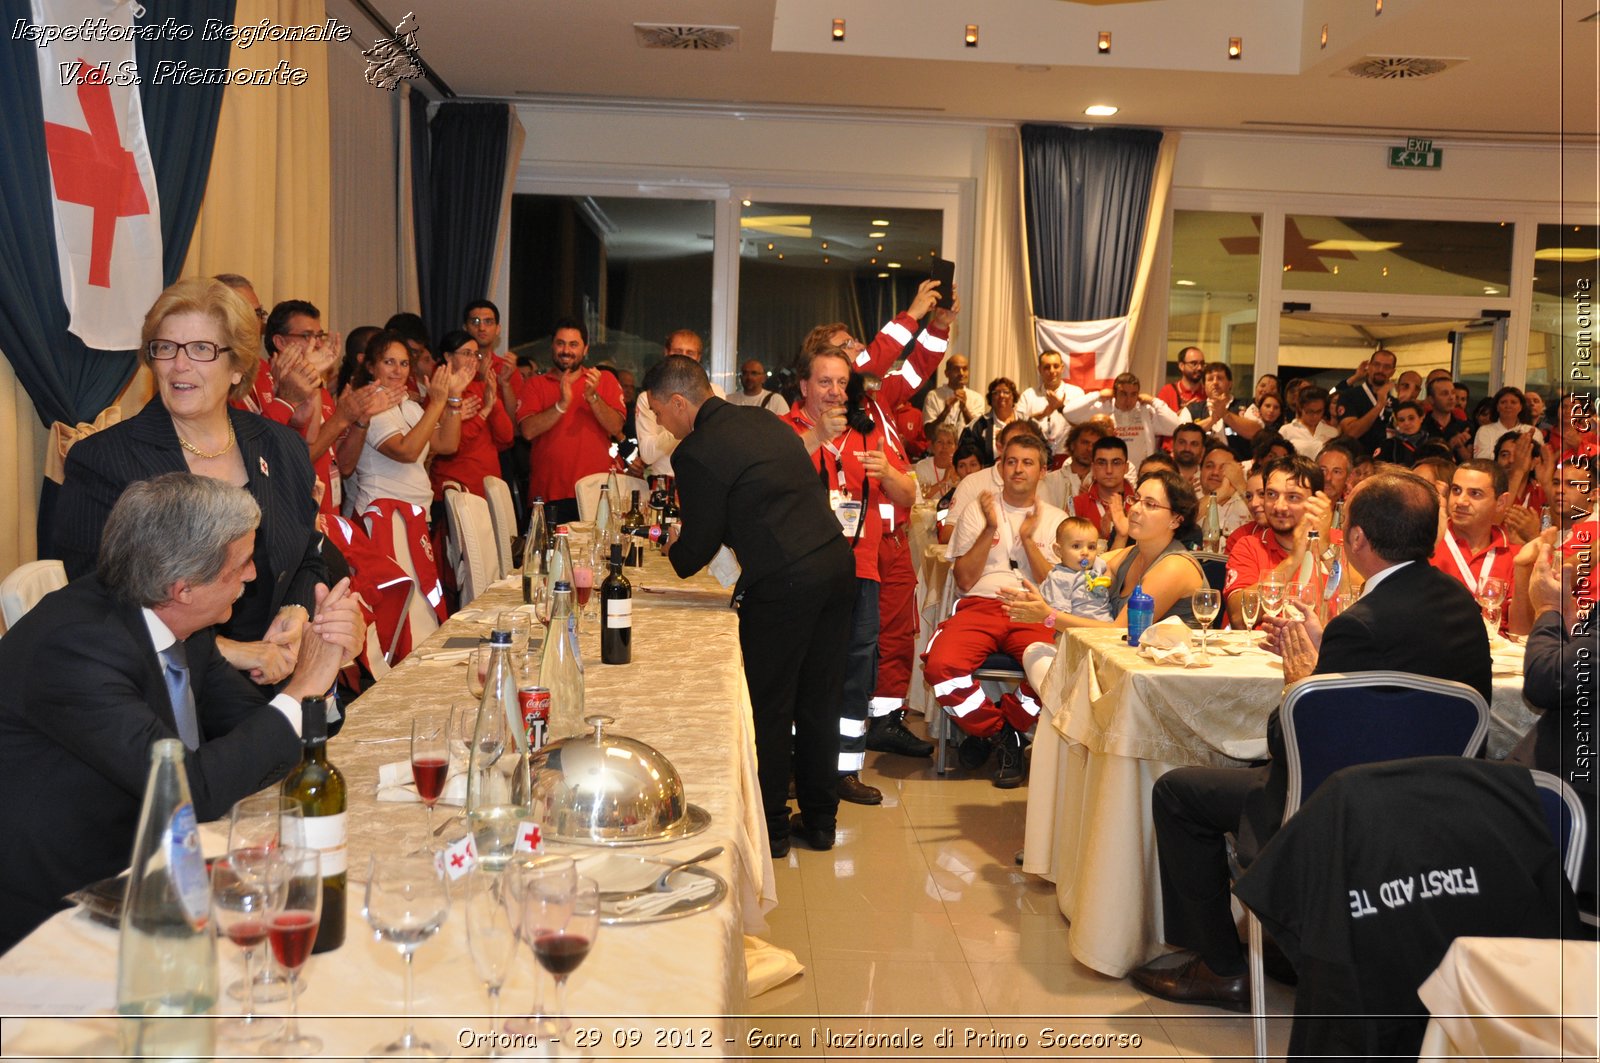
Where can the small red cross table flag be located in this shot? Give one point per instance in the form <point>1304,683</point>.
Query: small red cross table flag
<point>529,838</point>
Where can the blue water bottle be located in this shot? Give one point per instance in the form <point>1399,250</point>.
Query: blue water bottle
<point>1141,613</point>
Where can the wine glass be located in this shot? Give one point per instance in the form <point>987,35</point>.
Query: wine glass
<point>430,758</point>
<point>516,622</point>
<point>560,951</point>
<point>247,887</point>
<point>491,933</point>
<point>539,900</point>
<point>1492,597</point>
<point>1272,597</point>
<point>1250,608</point>
<point>583,582</point>
<point>261,824</point>
<point>478,670</point>
<point>1205,603</point>
<point>407,903</point>
<point>292,931</point>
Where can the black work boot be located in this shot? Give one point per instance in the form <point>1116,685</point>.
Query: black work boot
<point>888,734</point>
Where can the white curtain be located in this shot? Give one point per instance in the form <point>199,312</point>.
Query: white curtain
<point>1148,357</point>
<point>999,321</point>
<point>22,441</point>
<point>365,286</point>
<point>410,284</point>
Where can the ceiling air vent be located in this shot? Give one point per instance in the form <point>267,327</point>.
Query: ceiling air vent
<point>701,38</point>
<point>1398,67</point>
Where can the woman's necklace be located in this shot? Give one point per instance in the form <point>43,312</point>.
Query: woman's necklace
<point>197,452</point>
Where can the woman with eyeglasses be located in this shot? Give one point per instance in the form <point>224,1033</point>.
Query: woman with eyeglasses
<point>202,344</point>
<point>1161,512</point>
<point>984,432</point>
<point>486,427</point>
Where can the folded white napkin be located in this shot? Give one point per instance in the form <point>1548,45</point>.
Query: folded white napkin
<point>394,784</point>
<point>692,887</point>
<point>1168,643</point>
<point>724,567</point>
<point>444,656</point>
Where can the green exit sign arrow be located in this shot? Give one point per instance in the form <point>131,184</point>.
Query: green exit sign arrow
<point>1418,154</point>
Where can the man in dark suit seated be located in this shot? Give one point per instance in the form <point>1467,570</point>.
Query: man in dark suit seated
<point>1410,618</point>
<point>101,669</point>
<point>745,481</point>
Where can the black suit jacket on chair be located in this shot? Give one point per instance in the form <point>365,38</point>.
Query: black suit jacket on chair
<point>82,698</point>
<point>100,467</point>
<point>1417,620</point>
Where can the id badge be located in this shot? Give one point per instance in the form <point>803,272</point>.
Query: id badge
<point>849,514</point>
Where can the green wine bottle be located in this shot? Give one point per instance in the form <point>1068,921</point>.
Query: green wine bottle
<point>319,788</point>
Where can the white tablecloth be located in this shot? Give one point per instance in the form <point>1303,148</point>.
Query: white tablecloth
<point>684,693</point>
<point>1112,723</point>
<point>1497,998</point>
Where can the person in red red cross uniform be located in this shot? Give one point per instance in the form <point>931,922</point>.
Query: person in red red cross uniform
<point>1472,547</point>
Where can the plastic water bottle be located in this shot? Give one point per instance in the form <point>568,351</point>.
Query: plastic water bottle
<point>1141,613</point>
<point>167,955</point>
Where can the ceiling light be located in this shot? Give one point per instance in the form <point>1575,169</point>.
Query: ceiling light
<point>1377,8</point>
<point>883,276</point>
<point>824,245</point>
<point>881,223</point>
<point>876,234</point>
<point>1386,271</point>
<point>1184,284</point>
<point>780,256</point>
<point>1567,254</point>
<point>826,260</point>
<point>1100,110</point>
<point>1104,44</point>
<point>892,265</point>
<point>879,247</point>
<point>838,29</point>
<point>769,247</point>
<point>972,35</point>
<point>746,202</point>
<point>1324,34</point>
<point>872,261</point>
<point>1355,245</point>
<point>1490,291</point>
<point>1235,47</point>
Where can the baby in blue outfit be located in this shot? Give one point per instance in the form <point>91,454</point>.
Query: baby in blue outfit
<point>1080,583</point>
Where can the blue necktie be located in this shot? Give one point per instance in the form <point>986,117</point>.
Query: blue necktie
<point>175,669</point>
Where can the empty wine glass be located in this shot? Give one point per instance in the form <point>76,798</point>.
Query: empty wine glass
<point>1205,603</point>
<point>407,903</point>
<point>1250,608</point>
<point>561,950</point>
<point>478,670</point>
<point>292,930</point>
<point>261,824</point>
<point>1492,598</point>
<point>516,622</point>
<point>247,887</point>
<point>539,898</point>
<point>430,758</point>
<point>1272,597</point>
<point>491,933</point>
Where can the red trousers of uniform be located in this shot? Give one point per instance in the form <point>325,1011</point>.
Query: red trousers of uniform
<point>979,628</point>
<point>897,623</point>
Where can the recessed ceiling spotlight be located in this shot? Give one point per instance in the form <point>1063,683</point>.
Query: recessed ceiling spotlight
<point>892,265</point>
<point>1386,271</point>
<point>1184,284</point>
<point>881,223</point>
<point>826,260</point>
<point>1100,110</point>
<point>770,247</point>
<point>876,234</point>
<point>872,262</point>
<point>780,256</point>
<point>879,247</point>
<point>824,245</point>
<point>972,35</point>
<point>838,29</point>
<point>1104,43</point>
<point>1236,46</point>
<point>883,276</point>
<point>746,202</point>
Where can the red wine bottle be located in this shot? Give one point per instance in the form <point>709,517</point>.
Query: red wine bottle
<point>616,613</point>
<point>319,787</point>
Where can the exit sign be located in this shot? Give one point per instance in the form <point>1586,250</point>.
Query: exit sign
<point>1418,154</point>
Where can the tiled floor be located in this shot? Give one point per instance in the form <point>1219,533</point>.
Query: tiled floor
<point>919,920</point>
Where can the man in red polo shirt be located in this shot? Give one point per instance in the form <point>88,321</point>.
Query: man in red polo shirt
<point>1190,384</point>
<point>1472,547</point>
<point>1294,505</point>
<point>1101,500</point>
<point>570,415</point>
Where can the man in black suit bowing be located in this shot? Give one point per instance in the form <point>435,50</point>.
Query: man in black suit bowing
<point>745,481</point>
<point>101,669</point>
<point>1410,618</point>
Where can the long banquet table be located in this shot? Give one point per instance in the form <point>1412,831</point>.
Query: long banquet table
<point>676,986</point>
<point>1112,723</point>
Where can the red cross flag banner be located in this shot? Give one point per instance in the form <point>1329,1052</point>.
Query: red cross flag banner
<point>107,216</point>
<point>1094,351</point>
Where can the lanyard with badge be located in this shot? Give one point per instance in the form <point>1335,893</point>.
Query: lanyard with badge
<point>848,511</point>
<point>1476,583</point>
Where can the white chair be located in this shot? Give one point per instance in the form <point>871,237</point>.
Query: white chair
<point>588,493</point>
<point>472,545</point>
<point>27,583</point>
<point>503,515</point>
<point>419,612</point>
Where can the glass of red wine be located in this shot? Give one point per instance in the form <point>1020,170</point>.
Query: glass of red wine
<point>430,760</point>
<point>560,951</point>
<point>538,894</point>
<point>247,887</point>
<point>292,931</point>
<point>584,567</point>
<point>407,903</point>
<point>261,824</point>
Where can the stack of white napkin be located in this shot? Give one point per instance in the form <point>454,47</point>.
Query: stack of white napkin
<point>1169,642</point>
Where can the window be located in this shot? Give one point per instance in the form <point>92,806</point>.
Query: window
<point>1216,271</point>
<point>1565,262</point>
<point>1327,254</point>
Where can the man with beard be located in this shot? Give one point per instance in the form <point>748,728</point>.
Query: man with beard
<point>1189,386</point>
<point>569,414</point>
<point>1295,505</point>
<point>1188,447</point>
<point>1368,408</point>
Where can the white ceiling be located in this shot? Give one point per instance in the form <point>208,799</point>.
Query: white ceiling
<point>1522,69</point>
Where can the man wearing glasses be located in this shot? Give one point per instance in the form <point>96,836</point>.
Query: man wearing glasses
<point>1190,385</point>
<point>1295,505</point>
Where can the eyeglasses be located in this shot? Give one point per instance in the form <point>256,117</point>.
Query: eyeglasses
<point>1139,500</point>
<point>306,335</point>
<point>197,350</point>
<point>483,321</point>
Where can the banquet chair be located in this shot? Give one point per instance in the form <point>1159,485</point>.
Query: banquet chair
<point>472,543</point>
<point>1569,824</point>
<point>503,515</point>
<point>26,584</point>
<point>1341,719</point>
<point>422,619</point>
<point>588,493</point>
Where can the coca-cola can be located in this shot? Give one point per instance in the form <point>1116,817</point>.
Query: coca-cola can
<point>535,705</point>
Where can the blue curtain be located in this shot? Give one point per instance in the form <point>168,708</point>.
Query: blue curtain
<point>467,168</point>
<point>1085,195</point>
<point>66,380</point>
<point>422,201</point>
